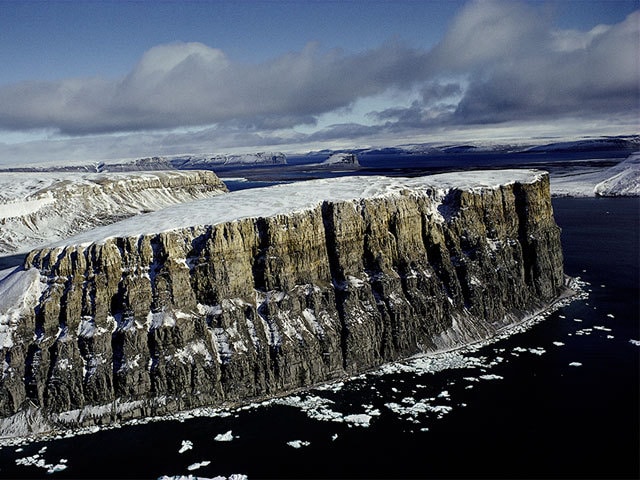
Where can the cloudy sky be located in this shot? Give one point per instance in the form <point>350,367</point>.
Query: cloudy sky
<point>99,79</point>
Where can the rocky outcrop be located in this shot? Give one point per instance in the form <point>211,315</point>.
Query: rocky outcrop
<point>38,208</point>
<point>342,159</point>
<point>258,306</point>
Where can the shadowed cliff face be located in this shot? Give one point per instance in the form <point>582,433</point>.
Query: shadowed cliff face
<point>255,307</point>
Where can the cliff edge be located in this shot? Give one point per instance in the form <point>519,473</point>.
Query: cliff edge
<point>256,293</point>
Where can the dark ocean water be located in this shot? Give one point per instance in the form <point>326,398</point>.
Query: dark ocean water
<point>522,407</point>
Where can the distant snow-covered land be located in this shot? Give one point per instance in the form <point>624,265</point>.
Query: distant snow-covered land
<point>173,162</point>
<point>247,159</point>
<point>620,180</point>
<point>43,207</point>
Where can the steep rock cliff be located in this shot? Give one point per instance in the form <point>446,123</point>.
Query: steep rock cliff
<point>296,294</point>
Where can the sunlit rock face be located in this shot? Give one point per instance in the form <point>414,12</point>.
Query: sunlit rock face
<point>241,309</point>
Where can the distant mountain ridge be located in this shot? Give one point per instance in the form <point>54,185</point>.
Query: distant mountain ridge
<point>170,162</point>
<point>622,143</point>
<point>182,162</point>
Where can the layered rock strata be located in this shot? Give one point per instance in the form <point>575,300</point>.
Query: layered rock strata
<point>291,296</point>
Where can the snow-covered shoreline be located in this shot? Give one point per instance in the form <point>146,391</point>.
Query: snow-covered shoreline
<point>621,180</point>
<point>449,358</point>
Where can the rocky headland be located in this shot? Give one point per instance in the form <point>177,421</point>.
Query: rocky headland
<point>256,293</point>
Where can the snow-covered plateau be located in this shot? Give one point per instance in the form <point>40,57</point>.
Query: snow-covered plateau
<point>296,197</point>
<point>44,207</point>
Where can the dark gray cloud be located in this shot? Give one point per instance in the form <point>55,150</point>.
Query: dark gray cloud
<point>187,84</point>
<point>511,65</point>
<point>500,61</point>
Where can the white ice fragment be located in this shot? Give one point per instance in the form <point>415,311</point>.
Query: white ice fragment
<point>197,465</point>
<point>577,320</point>
<point>334,436</point>
<point>491,376</point>
<point>610,315</point>
<point>360,419</point>
<point>224,437</point>
<point>601,328</point>
<point>558,344</point>
<point>186,445</point>
<point>56,468</point>
<point>634,342</point>
<point>575,364</point>
<point>298,443</point>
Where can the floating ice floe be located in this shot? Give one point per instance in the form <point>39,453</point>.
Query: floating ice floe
<point>225,437</point>
<point>491,376</point>
<point>601,328</point>
<point>558,344</point>
<point>195,466</point>
<point>359,419</point>
<point>516,351</point>
<point>421,407</point>
<point>186,445</point>
<point>314,407</point>
<point>233,476</point>
<point>634,342</point>
<point>611,315</point>
<point>330,387</point>
<point>298,443</point>
<point>537,351</point>
<point>37,461</point>
<point>584,331</point>
<point>575,364</point>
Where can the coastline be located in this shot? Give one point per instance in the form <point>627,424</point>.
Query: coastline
<point>574,290</point>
